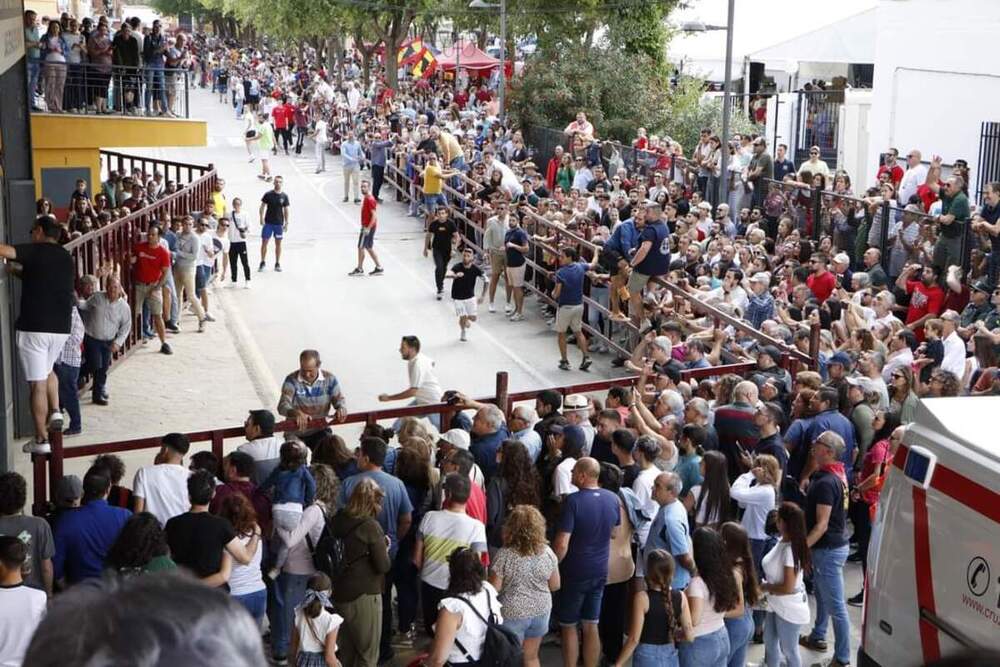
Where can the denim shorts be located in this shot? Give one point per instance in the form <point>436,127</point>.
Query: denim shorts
<point>432,202</point>
<point>202,274</point>
<point>655,655</point>
<point>255,603</point>
<point>580,601</point>
<point>532,627</point>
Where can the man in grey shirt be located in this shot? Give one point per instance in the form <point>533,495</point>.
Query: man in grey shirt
<point>761,167</point>
<point>185,259</point>
<point>377,150</point>
<point>32,531</point>
<point>107,322</point>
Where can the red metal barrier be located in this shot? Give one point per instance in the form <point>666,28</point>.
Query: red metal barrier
<point>49,467</point>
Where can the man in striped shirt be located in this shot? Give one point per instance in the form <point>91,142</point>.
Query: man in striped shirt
<point>309,393</point>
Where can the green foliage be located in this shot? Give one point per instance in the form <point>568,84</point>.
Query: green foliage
<point>690,112</point>
<point>640,28</point>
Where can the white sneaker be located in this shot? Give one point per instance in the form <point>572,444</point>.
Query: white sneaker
<point>464,338</point>
<point>246,285</point>
<point>509,308</point>
<point>209,318</point>
<point>32,447</point>
<point>516,317</point>
<point>493,308</point>
<point>56,421</point>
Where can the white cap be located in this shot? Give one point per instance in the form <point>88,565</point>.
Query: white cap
<point>575,402</point>
<point>457,438</point>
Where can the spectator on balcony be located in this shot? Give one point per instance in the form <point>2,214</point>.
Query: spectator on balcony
<point>782,165</point>
<point>891,168</point>
<point>761,167</point>
<point>44,323</point>
<point>914,177</point>
<point>310,393</point>
<point>161,489</point>
<point>125,57</point>
<point>54,51</point>
<point>100,55</point>
<point>951,223</point>
<point>151,263</point>
<point>76,44</point>
<point>813,165</point>
<point>107,322</point>
<point>67,370</point>
<point>84,536</point>
<point>34,532</point>
<point>154,50</point>
<point>32,45</point>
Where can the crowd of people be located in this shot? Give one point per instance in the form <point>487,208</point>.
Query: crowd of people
<point>673,521</point>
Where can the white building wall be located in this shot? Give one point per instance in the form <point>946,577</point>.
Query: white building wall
<point>937,78</point>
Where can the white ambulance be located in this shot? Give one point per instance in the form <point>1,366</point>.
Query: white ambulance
<point>933,586</point>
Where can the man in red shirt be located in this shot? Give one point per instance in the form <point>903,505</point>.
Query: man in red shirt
<point>282,115</point>
<point>926,296</point>
<point>892,168</point>
<point>820,281</point>
<point>150,263</point>
<point>366,241</point>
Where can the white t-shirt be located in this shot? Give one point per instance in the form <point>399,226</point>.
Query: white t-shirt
<point>311,628</point>
<point>21,610</point>
<point>320,137</point>
<point>422,376</point>
<point>206,249</point>
<point>562,483</point>
<point>246,579</point>
<point>711,620</point>
<point>472,631</point>
<point>164,488</point>
<point>643,489</point>
<point>442,532</point>
<point>794,607</point>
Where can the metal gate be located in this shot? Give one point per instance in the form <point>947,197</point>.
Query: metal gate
<point>989,157</point>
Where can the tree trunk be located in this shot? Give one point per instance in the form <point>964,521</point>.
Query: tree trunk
<point>481,39</point>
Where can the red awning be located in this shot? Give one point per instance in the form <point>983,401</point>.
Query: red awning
<point>466,55</point>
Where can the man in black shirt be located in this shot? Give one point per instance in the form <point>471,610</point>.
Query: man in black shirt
<point>43,325</point>
<point>274,222</point>
<point>463,289</point>
<point>203,542</point>
<point>442,236</point>
<point>826,500</point>
<point>768,419</point>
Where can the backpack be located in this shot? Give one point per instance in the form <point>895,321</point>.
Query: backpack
<point>501,647</point>
<point>329,554</point>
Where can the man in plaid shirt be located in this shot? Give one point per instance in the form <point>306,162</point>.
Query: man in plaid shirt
<point>67,370</point>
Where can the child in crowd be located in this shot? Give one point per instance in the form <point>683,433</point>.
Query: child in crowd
<point>294,489</point>
<point>314,635</point>
<point>932,348</point>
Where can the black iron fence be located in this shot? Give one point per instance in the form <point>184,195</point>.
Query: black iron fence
<point>817,123</point>
<point>96,89</point>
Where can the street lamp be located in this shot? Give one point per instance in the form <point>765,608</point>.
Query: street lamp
<point>502,6</point>
<point>698,26</point>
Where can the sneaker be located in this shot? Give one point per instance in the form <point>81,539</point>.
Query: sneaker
<point>172,327</point>
<point>209,318</point>
<point>201,326</point>
<point>357,201</point>
<point>262,266</point>
<point>277,267</point>
<point>246,285</point>
<point>165,349</point>
<point>509,308</point>
<point>99,400</point>
<point>585,364</point>
<point>277,659</point>
<point>857,600</point>
<point>493,308</point>
<point>564,364</point>
<point>516,317</point>
<point>357,272</point>
<point>812,644</point>
<point>377,271</point>
<point>464,338</point>
<point>251,160</point>
<point>344,200</point>
<point>56,421</point>
<point>35,447</point>
<point>440,295</point>
<point>73,430</point>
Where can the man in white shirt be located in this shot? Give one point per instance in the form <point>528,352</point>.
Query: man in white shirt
<point>900,353</point>
<point>320,139</point>
<point>161,489</point>
<point>425,389</point>
<point>21,607</point>
<point>914,176</point>
<point>566,441</point>
<point>261,444</point>
<point>203,264</point>
<point>954,347</point>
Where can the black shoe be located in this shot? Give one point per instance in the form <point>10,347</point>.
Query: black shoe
<point>277,267</point>
<point>165,349</point>
<point>857,600</point>
<point>97,400</point>
<point>277,659</point>
<point>357,201</point>
<point>377,271</point>
<point>357,272</point>
<point>172,328</point>
<point>855,557</point>
<point>585,364</point>
<point>808,642</point>
<point>345,200</point>
<point>618,362</point>
<point>262,266</point>
<point>564,364</point>
<point>73,431</point>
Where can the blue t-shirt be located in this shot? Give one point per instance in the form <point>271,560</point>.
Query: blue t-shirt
<point>589,516</point>
<point>671,533</point>
<point>515,258</point>
<point>689,468</point>
<point>571,279</point>
<point>657,260</point>
<point>395,504</point>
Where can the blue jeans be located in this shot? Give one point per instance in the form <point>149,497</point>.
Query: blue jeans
<point>97,354</point>
<point>69,398</point>
<point>781,639</point>
<point>255,603</point>
<point>655,655</point>
<point>289,590</point>
<point>580,600</point>
<point>533,627</point>
<point>711,650</point>
<point>828,582</point>
<point>34,70</point>
<point>740,630</point>
<point>155,83</point>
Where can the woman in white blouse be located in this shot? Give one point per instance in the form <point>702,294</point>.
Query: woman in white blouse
<point>788,606</point>
<point>757,493</point>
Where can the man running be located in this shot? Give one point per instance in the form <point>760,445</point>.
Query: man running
<point>274,220</point>
<point>366,240</point>
<point>442,235</point>
<point>463,290</point>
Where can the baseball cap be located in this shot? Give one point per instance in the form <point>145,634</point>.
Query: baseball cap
<point>457,438</point>
<point>575,437</point>
<point>761,277</point>
<point>982,286</point>
<point>575,402</point>
<point>68,489</point>
<point>865,383</point>
<point>841,358</point>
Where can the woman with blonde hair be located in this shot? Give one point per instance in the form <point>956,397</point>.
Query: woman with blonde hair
<point>357,587</point>
<point>525,572</point>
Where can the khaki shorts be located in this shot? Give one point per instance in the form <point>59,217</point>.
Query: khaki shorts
<point>637,281</point>
<point>151,294</point>
<point>569,317</point>
<point>515,275</point>
<point>498,262</point>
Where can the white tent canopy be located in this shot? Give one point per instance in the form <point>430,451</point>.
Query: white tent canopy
<point>757,26</point>
<point>850,40</point>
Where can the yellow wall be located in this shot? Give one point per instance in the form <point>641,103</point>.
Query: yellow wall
<point>63,140</point>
